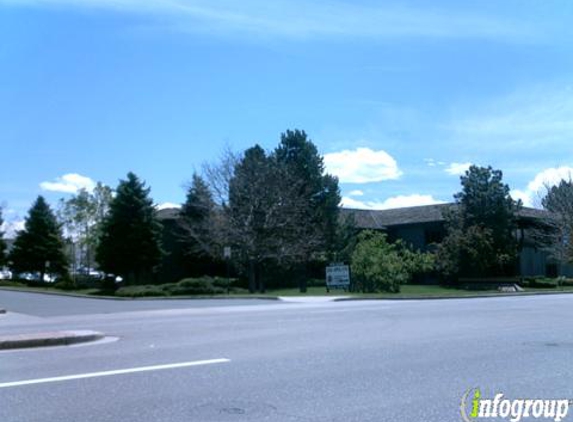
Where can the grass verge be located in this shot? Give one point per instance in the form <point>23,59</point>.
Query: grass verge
<point>407,292</point>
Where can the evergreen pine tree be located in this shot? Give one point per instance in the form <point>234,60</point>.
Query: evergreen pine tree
<point>130,243</point>
<point>320,190</point>
<point>198,229</point>
<point>481,228</point>
<point>39,247</point>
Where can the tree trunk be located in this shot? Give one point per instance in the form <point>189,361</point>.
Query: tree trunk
<point>260,280</point>
<point>301,274</point>
<point>252,276</point>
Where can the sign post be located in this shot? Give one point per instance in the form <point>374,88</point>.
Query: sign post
<point>337,276</point>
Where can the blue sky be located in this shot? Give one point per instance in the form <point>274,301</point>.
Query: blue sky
<point>398,96</point>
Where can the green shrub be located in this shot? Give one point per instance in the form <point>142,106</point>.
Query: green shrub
<point>378,265</point>
<point>65,283</point>
<point>198,286</point>
<point>141,291</point>
<point>12,283</point>
<point>206,286</point>
<point>539,282</point>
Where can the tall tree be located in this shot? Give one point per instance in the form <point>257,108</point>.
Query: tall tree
<point>82,215</point>
<point>556,235</point>
<point>252,197</point>
<point>130,239</point>
<point>3,246</point>
<point>481,228</point>
<point>318,193</point>
<point>199,227</point>
<point>39,247</point>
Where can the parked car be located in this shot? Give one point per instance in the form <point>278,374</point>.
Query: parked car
<point>48,278</point>
<point>5,275</point>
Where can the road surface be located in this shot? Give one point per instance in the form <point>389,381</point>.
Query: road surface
<point>342,361</point>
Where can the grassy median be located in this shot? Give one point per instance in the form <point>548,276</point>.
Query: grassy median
<point>407,292</point>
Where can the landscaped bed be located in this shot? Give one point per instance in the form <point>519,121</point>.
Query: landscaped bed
<point>218,287</point>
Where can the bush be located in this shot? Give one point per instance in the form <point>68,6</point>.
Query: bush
<point>65,283</point>
<point>141,291</point>
<point>539,282</point>
<point>207,286</point>
<point>199,286</point>
<point>378,265</point>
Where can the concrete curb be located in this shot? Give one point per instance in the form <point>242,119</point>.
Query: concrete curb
<point>52,338</point>
<point>66,294</point>
<point>493,295</point>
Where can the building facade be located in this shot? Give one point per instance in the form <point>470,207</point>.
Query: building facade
<point>423,227</point>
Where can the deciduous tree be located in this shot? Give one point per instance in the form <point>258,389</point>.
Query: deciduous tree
<point>378,265</point>
<point>82,215</point>
<point>556,235</point>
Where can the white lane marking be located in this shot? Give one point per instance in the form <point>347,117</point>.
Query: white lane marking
<point>114,372</point>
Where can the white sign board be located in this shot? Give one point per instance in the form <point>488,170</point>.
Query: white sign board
<point>337,275</point>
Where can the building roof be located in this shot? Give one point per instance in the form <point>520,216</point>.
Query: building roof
<point>381,219</point>
<point>168,213</point>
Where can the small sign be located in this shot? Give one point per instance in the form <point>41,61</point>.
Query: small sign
<point>227,252</point>
<point>337,276</point>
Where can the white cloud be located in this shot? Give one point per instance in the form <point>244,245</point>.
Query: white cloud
<point>535,190</point>
<point>457,169</point>
<point>69,183</point>
<point>310,19</point>
<point>10,228</point>
<point>165,205</point>
<point>356,192</point>
<point>362,165</point>
<point>399,201</point>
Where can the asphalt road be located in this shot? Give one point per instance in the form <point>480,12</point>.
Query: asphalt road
<point>343,361</point>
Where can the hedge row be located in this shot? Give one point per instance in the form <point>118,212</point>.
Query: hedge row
<point>207,286</point>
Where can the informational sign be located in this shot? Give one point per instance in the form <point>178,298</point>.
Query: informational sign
<point>337,276</point>
<point>227,252</point>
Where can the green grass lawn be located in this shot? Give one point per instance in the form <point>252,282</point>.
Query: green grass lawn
<point>407,291</point>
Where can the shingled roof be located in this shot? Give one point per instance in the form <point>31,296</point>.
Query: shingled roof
<point>381,219</point>
<point>168,213</point>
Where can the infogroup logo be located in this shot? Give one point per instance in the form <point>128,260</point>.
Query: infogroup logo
<point>474,407</point>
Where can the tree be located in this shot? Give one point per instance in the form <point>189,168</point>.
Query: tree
<point>481,228</point>
<point>82,215</point>
<point>318,194</point>
<point>319,190</point>
<point>378,265</point>
<point>276,209</point>
<point>39,247</point>
<point>198,229</point>
<point>3,246</point>
<point>255,213</point>
<point>556,233</point>
<point>130,236</point>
